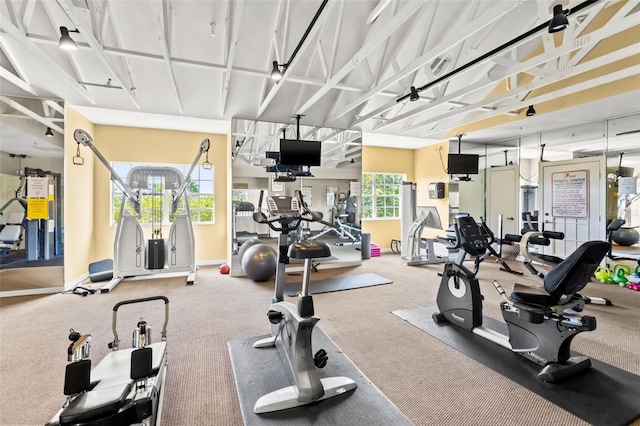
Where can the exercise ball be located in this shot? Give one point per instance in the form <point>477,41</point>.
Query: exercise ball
<point>259,262</point>
<point>245,246</point>
<point>625,236</point>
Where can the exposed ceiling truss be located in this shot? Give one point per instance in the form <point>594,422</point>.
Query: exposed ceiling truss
<point>212,60</point>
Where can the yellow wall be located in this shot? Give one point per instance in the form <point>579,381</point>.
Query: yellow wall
<point>78,196</point>
<point>430,163</point>
<point>386,160</point>
<point>129,144</point>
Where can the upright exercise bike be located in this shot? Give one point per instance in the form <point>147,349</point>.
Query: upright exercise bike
<point>292,324</point>
<point>541,327</point>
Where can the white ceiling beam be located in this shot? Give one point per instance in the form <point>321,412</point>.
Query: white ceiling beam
<point>87,34</point>
<point>408,11</point>
<point>29,7</point>
<point>132,54</point>
<point>584,51</point>
<point>233,43</point>
<point>551,76</point>
<point>569,90</point>
<point>49,63</point>
<point>115,26</point>
<point>55,106</point>
<point>538,83</point>
<point>16,81</point>
<point>336,39</point>
<point>24,117</point>
<point>287,72</point>
<point>102,20</point>
<point>455,37</point>
<point>26,111</point>
<point>160,18</point>
<point>15,17</point>
<point>322,59</point>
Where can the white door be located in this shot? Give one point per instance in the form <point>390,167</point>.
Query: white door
<point>573,202</point>
<point>503,198</point>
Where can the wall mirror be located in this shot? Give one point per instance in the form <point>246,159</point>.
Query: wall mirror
<point>325,188</point>
<point>617,139</point>
<point>31,195</point>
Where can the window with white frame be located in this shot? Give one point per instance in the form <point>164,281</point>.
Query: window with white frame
<point>200,195</point>
<point>381,195</point>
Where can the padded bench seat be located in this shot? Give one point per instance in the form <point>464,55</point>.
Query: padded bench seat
<point>112,386</point>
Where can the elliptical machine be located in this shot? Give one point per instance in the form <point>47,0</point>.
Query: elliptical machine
<point>294,323</point>
<point>541,327</point>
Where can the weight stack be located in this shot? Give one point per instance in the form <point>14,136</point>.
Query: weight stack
<point>155,254</point>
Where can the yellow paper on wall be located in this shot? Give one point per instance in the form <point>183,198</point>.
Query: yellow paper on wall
<point>37,208</point>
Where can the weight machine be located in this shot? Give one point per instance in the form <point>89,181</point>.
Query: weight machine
<point>159,256</point>
<point>413,221</point>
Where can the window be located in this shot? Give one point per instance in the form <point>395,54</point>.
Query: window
<point>381,195</point>
<point>199,192</point>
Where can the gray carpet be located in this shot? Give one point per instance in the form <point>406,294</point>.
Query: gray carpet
<point>581,395</point>
<point>261,371</point>
<point>348,282</point>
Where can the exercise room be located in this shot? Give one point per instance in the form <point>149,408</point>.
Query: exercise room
<point>327,212</point>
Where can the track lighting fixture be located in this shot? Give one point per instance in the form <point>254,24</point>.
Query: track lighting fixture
<point>414,94</point>
<point>531,111</point>
<point>559,22</point>
<point>49,132</point>
<point>276,74</point>
<point>66,42</point>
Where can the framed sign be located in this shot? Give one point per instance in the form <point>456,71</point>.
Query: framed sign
<point>570,194</point>
<point>306,194</point>
<point>331,195</point>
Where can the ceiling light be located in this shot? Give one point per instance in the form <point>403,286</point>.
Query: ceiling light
<point>66,42</point>
<point>414,94</point>
<point>531,111</point>
<point>49,132</point>
<point>276,75</point>
<point>275,72</point>
<point>559,22</point>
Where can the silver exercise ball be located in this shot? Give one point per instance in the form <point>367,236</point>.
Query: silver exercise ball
<point>245,246</point>
<point>259,262</point>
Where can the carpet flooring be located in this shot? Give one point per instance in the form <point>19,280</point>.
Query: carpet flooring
<point>428,380</point>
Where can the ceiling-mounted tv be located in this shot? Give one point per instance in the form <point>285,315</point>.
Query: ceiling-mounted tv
<point>463,164</point>
<point>300,153</point>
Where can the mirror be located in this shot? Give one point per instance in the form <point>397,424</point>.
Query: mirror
<point>617,138</point>
<point>326,188</point>
<point>31,196</point>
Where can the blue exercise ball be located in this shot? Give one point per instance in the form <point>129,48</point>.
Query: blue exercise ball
<point>259,262</point>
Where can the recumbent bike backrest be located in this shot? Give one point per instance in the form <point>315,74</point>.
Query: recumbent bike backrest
<point>575,272</point>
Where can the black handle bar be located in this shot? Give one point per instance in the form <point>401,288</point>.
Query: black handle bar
<point>116,341</point>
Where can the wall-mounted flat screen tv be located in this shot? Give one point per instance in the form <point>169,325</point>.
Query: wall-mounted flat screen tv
<point>300,153</point>
<point>463,164</point>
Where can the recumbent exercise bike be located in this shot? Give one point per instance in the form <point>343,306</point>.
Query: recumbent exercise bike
<point>291,324</point>
<point>540,326</point>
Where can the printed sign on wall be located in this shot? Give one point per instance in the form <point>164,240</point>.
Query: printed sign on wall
<point>570,194</point>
